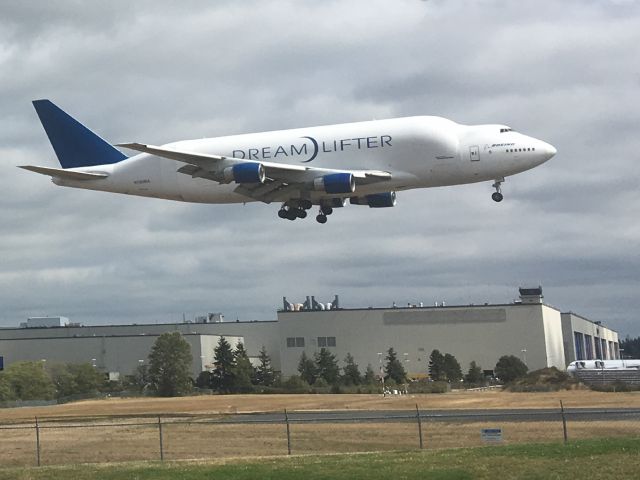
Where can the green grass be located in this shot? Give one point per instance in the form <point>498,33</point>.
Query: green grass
<point>593,459</point>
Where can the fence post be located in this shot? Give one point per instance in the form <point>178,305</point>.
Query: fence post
<point>37,442</point>
<point>160,435</point>
<point>564,422</point>
<point>286,419</point>
<point>419,426</point>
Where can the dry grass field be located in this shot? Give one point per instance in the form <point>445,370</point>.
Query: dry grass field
<point>221,404</point>
<point>84,431</point>
<point>99,444</point>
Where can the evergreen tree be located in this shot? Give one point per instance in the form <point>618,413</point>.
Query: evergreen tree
<point>327,366</point>
<point>264,374</point>
<point>436,366</point>
<point>451,368</point>
<point>474,376</point>
<point>170,365</point>
<point>351,372</point>
<point>222,376</point>
<point>510,367</point>
<point>369,376</point>
<point>242,370</point>
<point>307,369</point>
<point>394,368</point>
<point>204,379</point>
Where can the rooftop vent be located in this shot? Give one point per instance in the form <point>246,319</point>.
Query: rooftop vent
<point>310,304</point>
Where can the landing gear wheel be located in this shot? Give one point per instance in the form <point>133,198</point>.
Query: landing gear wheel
<point>291,214</point>
<point>326,210</point>
<point>497,196</point>
<point>282,213</point>
<point>321,218</point>
<point>306,204</point>
<point>302,214</point>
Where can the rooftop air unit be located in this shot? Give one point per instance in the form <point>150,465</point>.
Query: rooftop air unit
<point>531,295</point>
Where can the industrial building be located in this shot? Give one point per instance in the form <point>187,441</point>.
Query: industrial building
<point>538,333</point>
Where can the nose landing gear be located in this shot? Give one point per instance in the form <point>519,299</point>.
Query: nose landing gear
<point>497,195</point>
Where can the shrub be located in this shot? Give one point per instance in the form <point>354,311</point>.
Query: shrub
<point>544,380</point>
<point>616,386</point>
<point>429,387</point>
<point>510,367</point>
<point>295,384</point>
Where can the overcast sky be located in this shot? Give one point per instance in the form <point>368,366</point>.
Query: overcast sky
<point>567,72</point>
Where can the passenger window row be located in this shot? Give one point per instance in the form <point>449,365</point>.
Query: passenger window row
<point>513,150</point>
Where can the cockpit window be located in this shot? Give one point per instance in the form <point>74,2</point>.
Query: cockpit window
<point>503,130</point>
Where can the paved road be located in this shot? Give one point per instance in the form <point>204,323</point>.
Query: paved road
<point>462,416</point>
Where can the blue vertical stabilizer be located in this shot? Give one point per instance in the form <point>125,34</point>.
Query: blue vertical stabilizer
<point>75,145</point>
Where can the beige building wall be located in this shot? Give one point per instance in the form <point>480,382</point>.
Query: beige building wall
<point>470,333</point>
<point>552,322</point>
<point>256,334</point>
<point>121,353</point>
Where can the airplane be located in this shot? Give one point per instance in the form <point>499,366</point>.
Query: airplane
<point>363,163</point>
<point>630,364</point>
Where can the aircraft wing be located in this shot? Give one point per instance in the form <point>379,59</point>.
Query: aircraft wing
<point>282,180</point>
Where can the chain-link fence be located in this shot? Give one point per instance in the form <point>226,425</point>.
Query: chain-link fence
<point>114,439</point>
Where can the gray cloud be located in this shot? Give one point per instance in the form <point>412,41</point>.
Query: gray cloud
<point>159,71</point>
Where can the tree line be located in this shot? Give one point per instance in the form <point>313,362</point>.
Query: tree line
<point>630,347</point>
<point>169,367</point>
<point>232,371</point>
<point>34,381</point>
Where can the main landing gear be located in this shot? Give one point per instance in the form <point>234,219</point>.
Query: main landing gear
<point>298,209</point>
<point>497,195</point>
<point>293,210</point>
<point>324,212</point>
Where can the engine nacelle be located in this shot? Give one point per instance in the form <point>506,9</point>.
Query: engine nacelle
<point>336,183</point>
<point>376,200</point>
<point>245,173</point>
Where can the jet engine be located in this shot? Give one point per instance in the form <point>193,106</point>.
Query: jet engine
<point>376,200</point>
<point>335,183</point>
<point>245,173</point>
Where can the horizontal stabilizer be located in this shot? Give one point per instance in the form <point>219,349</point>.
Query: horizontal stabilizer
<point>61,173</point>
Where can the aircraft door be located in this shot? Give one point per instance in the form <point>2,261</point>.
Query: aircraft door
<point>474,153</point>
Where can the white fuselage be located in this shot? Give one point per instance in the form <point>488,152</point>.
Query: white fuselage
<point>418,152</point>
<point>582,365</point>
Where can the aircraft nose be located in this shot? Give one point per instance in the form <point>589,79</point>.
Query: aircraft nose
<point>548,150</point>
